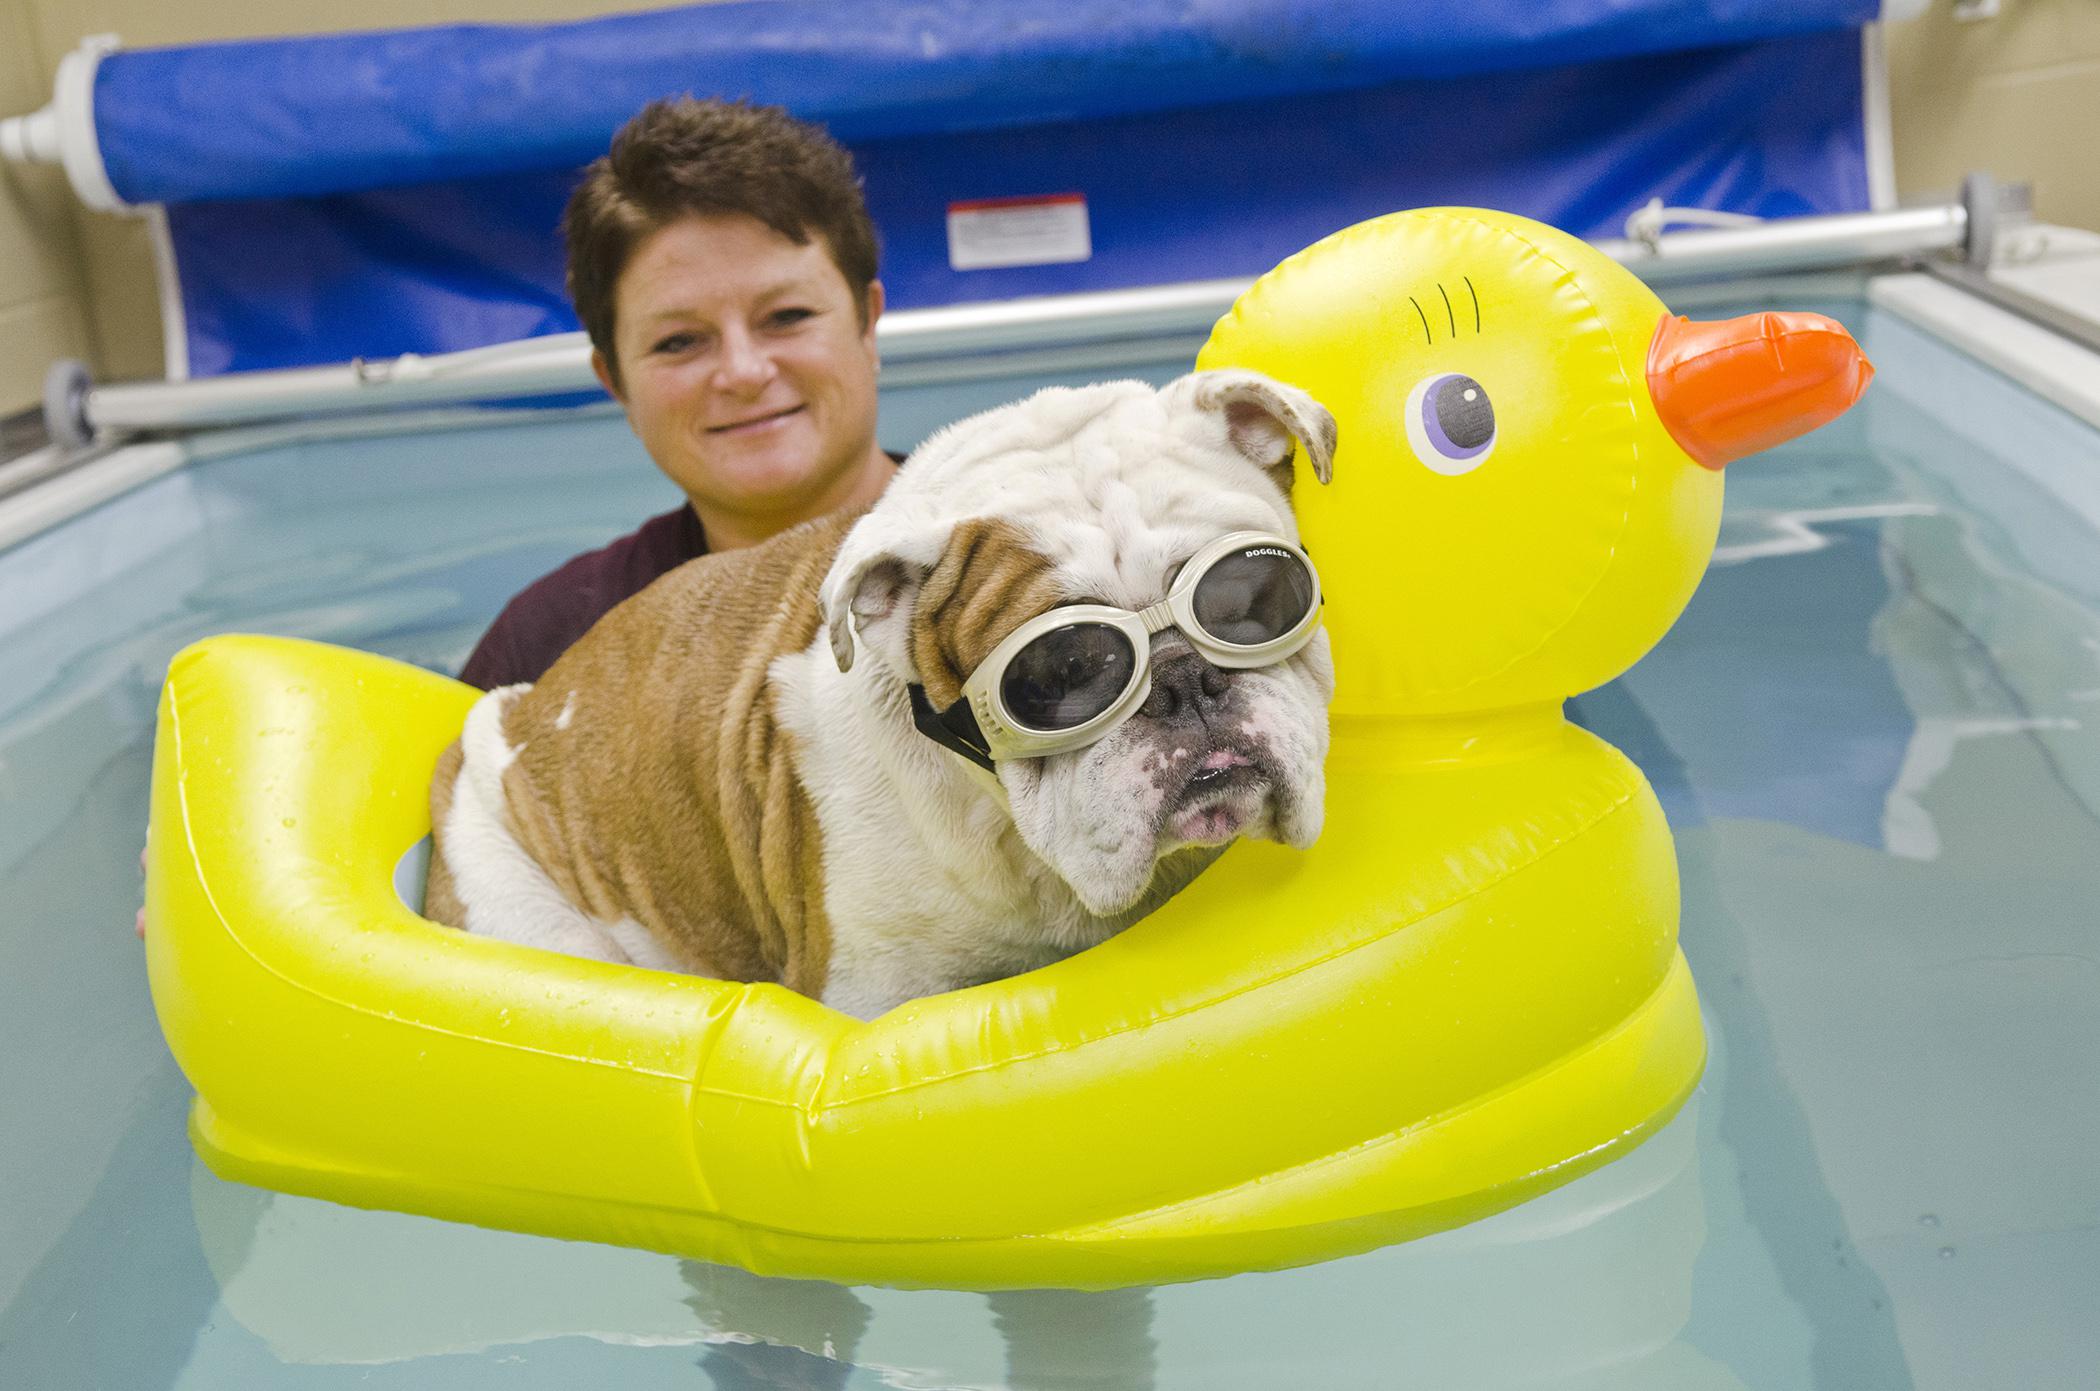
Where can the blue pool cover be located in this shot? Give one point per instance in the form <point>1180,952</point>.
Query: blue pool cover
<point>375,193</point>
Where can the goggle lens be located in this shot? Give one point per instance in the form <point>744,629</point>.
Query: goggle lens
<point>1253,596</point>
<point>1067,676</point>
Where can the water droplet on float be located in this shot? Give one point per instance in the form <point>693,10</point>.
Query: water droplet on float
<point>1946,1253</point>
<point>290,821</point>
<point>1930,1219</point>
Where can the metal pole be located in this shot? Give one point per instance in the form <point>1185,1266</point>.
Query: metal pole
<point>1793,244</point>
<point>923,339</point>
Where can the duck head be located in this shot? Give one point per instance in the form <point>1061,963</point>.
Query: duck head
<point>1532,485</point>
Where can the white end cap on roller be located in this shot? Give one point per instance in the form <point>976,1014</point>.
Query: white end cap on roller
<point>63,133</point>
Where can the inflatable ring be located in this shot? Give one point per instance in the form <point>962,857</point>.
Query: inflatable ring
<point>1467,992</point>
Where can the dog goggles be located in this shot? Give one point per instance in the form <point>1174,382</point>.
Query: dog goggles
<point>1067,677</point>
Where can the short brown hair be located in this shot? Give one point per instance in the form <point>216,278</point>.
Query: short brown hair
<point>681,157</point>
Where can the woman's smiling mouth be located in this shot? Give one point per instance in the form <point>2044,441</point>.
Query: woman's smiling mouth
<point>755,424</point>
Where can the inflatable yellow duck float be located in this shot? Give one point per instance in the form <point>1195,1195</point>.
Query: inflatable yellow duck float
<point>1469,991</point>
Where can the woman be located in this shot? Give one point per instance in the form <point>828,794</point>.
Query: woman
<point>722,261</point>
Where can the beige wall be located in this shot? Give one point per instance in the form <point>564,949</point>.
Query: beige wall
<point>2018,95</point>
<point>42,314</point>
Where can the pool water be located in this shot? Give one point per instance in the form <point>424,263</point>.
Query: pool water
<point>1874,731</point>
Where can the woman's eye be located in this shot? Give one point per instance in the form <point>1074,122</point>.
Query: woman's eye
<point>1450,423</point>
<point>674,343</point>
<point>788,318</point>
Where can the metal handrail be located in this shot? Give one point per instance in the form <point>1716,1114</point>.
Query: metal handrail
<point>918,343</point>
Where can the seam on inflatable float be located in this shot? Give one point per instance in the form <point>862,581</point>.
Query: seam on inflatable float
<point>1617,805</point>
<point>189,830</point>
<point>1633,1018</point>
<point>286,1175</point>
<point>1633,439</point>
<point>1769,338</point>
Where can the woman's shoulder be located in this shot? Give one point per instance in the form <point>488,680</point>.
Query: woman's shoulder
<point>543,619</point>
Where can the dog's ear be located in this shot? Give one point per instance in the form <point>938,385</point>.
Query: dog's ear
<point>875,578</point>
<point>933,601</point>
<point>1265,420</point>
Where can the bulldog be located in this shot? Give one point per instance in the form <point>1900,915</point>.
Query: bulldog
<point>1071,653</point>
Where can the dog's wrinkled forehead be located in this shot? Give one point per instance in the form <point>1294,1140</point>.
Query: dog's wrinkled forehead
<point>1088,493</point>
<point>1112,485</point>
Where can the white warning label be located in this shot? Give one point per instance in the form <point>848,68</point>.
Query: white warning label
<point>1044,231</point>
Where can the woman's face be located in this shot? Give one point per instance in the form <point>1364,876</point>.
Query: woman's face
<point>746,368</point>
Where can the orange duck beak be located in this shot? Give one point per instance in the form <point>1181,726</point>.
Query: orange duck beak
<point>1736,386</point>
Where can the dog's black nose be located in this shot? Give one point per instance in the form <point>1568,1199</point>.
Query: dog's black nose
<point>1186,686</point>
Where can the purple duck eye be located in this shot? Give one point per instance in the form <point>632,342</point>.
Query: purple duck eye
<point>1450,423</point>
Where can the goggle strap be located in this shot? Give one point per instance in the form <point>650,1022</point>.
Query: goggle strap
<point>954,729</point>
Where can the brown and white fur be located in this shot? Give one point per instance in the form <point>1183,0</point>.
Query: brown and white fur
<point>713,780</point>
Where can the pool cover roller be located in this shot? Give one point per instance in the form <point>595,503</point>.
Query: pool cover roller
<point>331,196</point>
<point>1469,991</point>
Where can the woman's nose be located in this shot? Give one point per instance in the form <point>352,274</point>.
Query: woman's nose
<point>743,366</point>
